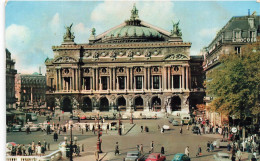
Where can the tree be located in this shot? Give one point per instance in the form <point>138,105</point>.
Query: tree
<point>235,83</point>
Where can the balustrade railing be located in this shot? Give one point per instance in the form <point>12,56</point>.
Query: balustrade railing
<point>54,156</point>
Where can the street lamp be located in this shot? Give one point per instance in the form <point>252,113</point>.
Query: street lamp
<point>119,130</point>
<point>98,139</point>
<point>131,116</point>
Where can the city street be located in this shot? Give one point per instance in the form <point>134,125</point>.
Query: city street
<point>172,140</point>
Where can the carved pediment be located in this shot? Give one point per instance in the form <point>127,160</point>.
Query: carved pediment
<point>65,59</point>
<point>176,57</point>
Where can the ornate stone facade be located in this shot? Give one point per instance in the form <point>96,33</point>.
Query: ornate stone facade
<point>10,81</point>
<point>132,66</point>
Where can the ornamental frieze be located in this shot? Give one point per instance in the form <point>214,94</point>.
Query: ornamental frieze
<point>176,57</point>
<point>65,59</point>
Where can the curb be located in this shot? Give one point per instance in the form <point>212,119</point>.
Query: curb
<point>130,129</point>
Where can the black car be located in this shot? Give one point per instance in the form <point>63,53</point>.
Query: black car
<point>195,129</point>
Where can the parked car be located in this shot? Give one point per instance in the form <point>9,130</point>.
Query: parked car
<point>156,157</point>
<point>195,129</point>
<point>17,128</point>
<point>25,127</point>
<point>220,143</point>
<point>83,117</point>
<point>75,117</point>
<point>180,157</point>
<point>134,156</point>
<point>35,127</point>
<point>175,123</point>
<point>221,157</point>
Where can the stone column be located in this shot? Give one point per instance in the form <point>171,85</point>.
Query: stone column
<point>169,78</point>
<point>127,78</point>
<point>180,80</point>
<point>60,85</point>
<point>70,83</point>
<point>57,76</point>
<point>93,79</point>
<point>77,81</point>
<point>189,72</point>
<point>142,83</point>
<point>80,79</point>
<point>97,83</point>
<point>145,78</point>
<point>187,81</point>
<point>114,79</point>
<point>149,78</point>
<point>164,77</point>
<point>131,78</point>
<point>182,77</point>
<point>110,79</point>
<point>73,77</point>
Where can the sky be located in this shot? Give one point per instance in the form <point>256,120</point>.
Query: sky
<point>32,28</point>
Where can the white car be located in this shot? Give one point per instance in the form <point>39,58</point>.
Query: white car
<point>166,127</point>
<point>221,157</point>
<point>35,127</point>
<point>220,143</point>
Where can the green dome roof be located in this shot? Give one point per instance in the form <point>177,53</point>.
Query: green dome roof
<point>133,31</point>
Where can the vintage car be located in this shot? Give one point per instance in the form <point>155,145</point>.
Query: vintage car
<point>35,127</point>
<point>195,129</point>
<point>220,143</point>
<point>83,117</point>
<point>156,157</point>
<point>180,157</point>
<point>134,156</point>
<point>16,128</point>
<point>221,157</point>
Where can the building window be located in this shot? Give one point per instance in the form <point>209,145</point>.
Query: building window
<point>104,70</point>
<point>87,83</point>
<point>121,82</point>
<point>104,83</point>
<point>139,82</point>
<point>156,82</point>
<point>176,81</point>
<point>237,49</point>
<point>237,34</point>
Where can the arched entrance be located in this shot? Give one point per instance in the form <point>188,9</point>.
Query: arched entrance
<point>87,104</point>
<point>176,103</point>
<point>139,104</point>
<point>51,103</point>
<point>121,103</point>
<point>104,104</point>
<point>156,103</point>
<point>66,106</point>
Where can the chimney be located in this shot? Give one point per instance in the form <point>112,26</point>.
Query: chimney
<point>40,72</point>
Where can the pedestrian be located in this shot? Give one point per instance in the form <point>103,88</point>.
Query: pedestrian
<point>162,150</point>
<point>229,147</point>
<point>55,136</point>
<point>45,145</point>
<point>187,152</point>
<point>162,130</point>
<point>142,128</point>
<point>137,147</point>
<point>117,149</point>
<point>152,147</point>
<point>141,149</point>
<point>59,118</point>
<point>233,156</point>
<point>29,150</point>
<point>39,150</point>
<point>181,129</point>
<point>199,151</point>
<point>42,149</point>
<point>97,155</point>
<point>253,158</point>
<point>39,143</point>
<point>208,146</point>
<point>33,147</point>
<point>239,155</point>
<point>64,128</point>
<point>23,150</point>
<point>211,147</point>
<point>188,127</point>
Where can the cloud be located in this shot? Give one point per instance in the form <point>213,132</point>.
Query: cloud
<point>81,32</point>
<point>55,23</point>
<point>209,32</point>
<point>18,37</point>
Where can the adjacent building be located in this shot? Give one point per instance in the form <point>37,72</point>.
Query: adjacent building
<point>239,31</point>
<point>133,66</point>
<point>30,89</point>
<point>10,81</point>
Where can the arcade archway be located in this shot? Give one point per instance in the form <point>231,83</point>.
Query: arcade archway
<point>87,104</point>
<point>156,103</point>
<point>176,103</point>
<point>139,104</point>
<point>66,105</point>
<point>121,103</point>
<point>104,104</point>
